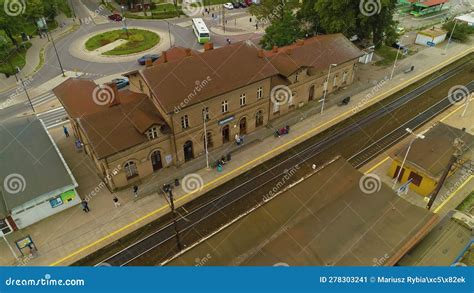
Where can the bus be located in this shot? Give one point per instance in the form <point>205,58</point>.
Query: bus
<point>201,31</point>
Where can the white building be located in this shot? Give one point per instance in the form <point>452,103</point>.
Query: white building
<point>430,37</point>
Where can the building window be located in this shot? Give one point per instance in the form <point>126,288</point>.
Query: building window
<point>185,121</point>
<point>296,77</point>
<point>153,133</point>
<point>205,114</point>
<point>225,107</point>
<point>260,93</point>
<point>140,82</point>
<point>291,101</point>
<point>415,178</point>
<point>131,170</point>
<point>243,99</point>
<point>344,77</point>
<point>334,81</point>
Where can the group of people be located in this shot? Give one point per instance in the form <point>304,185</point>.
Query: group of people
<point>115,200</point>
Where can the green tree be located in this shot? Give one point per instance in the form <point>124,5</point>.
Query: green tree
<point>461,32</point>
<point>309,18</point>
<point>283,32</point>
<point>34,10</point>
<point>273,10</point>
<point>12,25</point>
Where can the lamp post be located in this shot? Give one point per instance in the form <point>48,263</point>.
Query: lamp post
<point>169,33</point>
<point>54,46</point>
<point>420,136</point>
<point>395,62</point>
<point>27,95</point>
<point>168,189</point>
<point>124,21</point>
<point>326,86</point>
<point>450,36</point>
<point>204,118</point>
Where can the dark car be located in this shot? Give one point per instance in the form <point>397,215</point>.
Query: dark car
<point>121,82</point>
<point>153,57</point>
<point>115,17</point>
<point>248,2</point>
<point>236,4</point>
<point>242,4</point>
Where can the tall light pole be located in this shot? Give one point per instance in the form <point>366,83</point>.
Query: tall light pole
<point>326,87</point>
<point>420,136</point>
<point>125,21</point>
<point>450,36</point>
<point>54,46</point>
<point>169,33</point>
<point>204,118</point>
<point>395,62</point>
<point>27,95</point>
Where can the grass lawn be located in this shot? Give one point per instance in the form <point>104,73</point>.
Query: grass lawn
<point>139,40</point>
<point>388,54</point>
<point>16,59</point>
<point>467,204</point>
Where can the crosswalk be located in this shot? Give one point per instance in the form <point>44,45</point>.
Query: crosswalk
<point>53,118</point>
<point>42,99</point>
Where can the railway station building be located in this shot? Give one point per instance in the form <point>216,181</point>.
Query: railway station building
<point>233,90</point>
<point>320,220</point>
<point>428,158</point>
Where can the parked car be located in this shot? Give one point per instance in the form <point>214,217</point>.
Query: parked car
<point>115,17</point>
<point>236,4</point>
<point>153,57</point>
<point>400,30</point>
<point>121,82</point>
<point>402,48</point>
<point>248,2</point>
<point>228,6</point>
<point>242,4</point>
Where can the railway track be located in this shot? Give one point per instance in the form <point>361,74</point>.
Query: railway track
<point>191,219</point>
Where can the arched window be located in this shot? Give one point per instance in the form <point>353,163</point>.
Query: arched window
<point>130,169</point>
<point>259,118</point>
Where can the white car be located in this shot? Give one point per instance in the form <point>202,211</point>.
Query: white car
<point>228,6</point>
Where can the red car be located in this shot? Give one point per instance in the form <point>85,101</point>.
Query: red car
<point>115,17</point>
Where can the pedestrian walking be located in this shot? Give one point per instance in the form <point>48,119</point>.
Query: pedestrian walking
<point>66,132</point>
<point>116,201</point>
<point>135,191</point>
<point>85,206</point>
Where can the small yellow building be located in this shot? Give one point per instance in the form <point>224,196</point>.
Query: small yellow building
<point>428,158</point>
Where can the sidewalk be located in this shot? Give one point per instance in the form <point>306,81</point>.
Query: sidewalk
<point>35,53</point>
<point>73,234</point>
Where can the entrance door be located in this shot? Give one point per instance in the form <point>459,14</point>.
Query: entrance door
<point>311,93</point>
<point>243,126</point>
<point>156,160</point>
<point>188,151</point>
<point>399,178</point>
<point>225,134</point>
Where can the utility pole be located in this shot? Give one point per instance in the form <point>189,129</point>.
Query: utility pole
<point>450,36</point>
<point>204,118</point>
<point>125,22</point>
<point>27,95</point>
<point>417,136</point>
<point>458,144</point>
<point>168,189</point>
<point>326,87</point>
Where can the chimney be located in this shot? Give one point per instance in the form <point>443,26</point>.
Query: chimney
<point>110,89</point>
<point>165,56</point>
<point>300,42</point>
<point>188,52</point>
<point>208,46</point>
<point>275,49</point>
<point>148,62</point>
<point>260,53</point>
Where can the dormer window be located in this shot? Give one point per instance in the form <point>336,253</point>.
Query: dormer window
<point>296,76</point>
<point>153,133</point>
